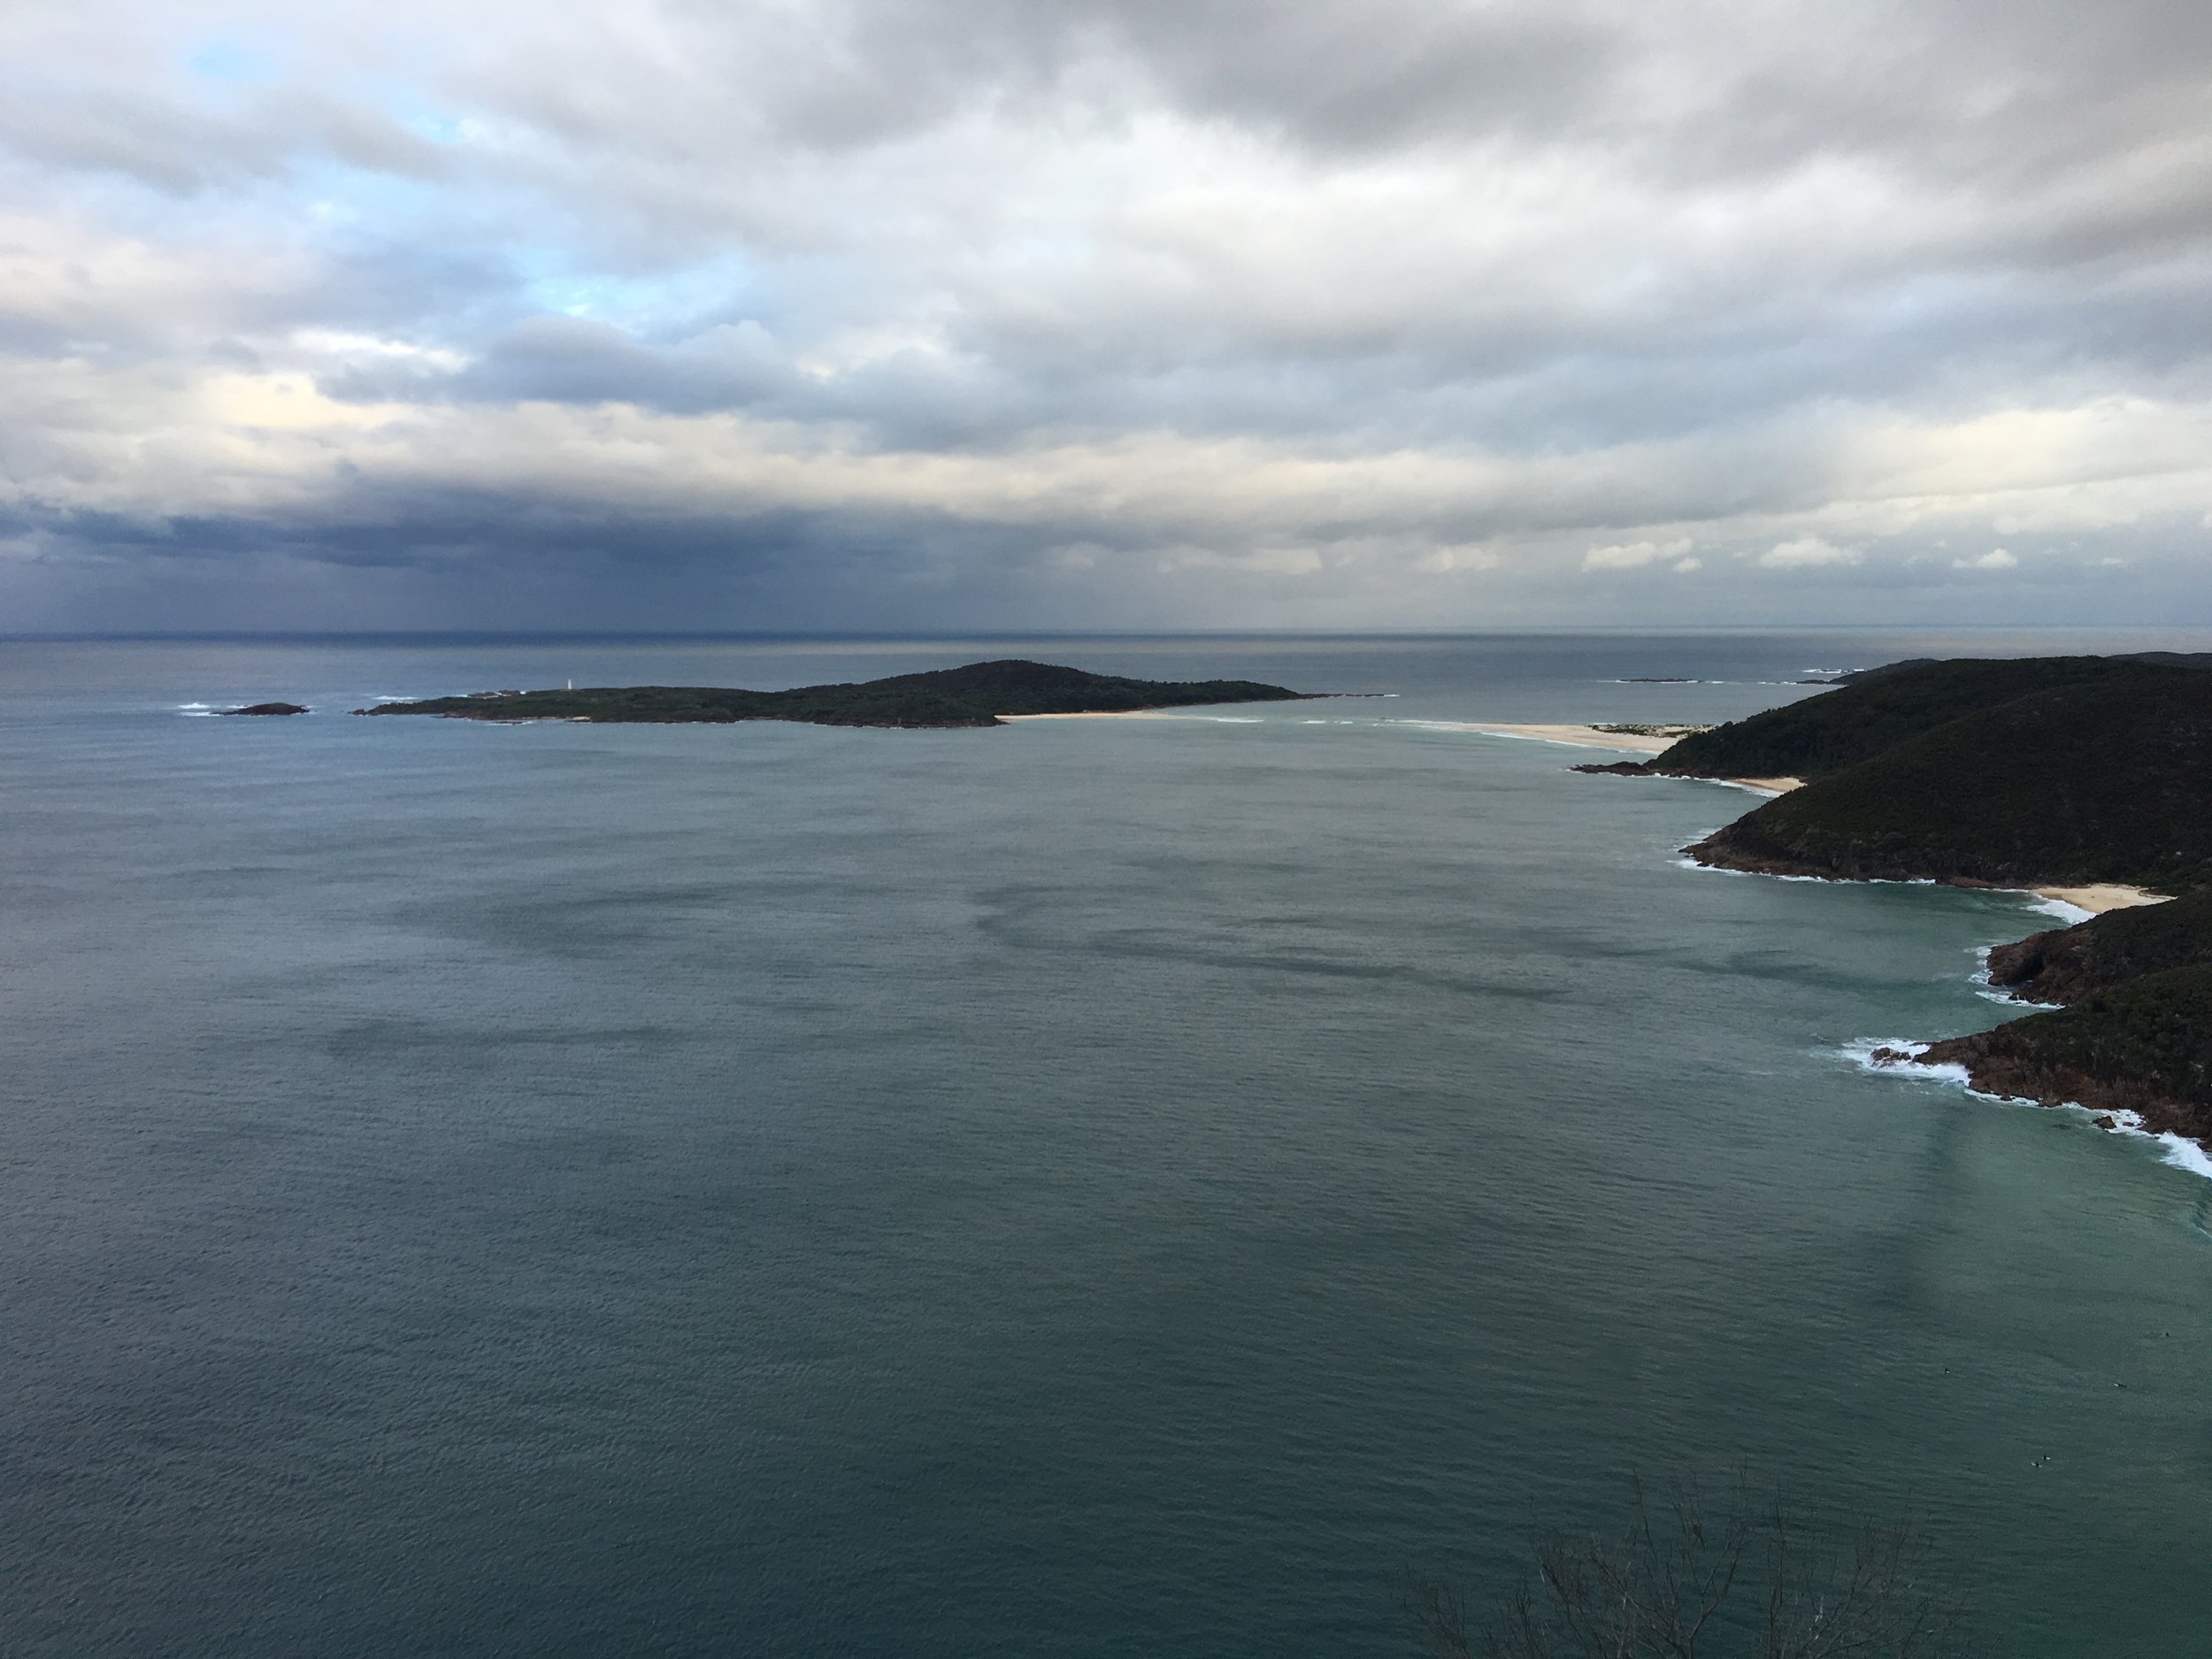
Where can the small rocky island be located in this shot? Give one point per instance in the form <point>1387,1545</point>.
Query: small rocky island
<point>267,707</point>
<point>976,695</point>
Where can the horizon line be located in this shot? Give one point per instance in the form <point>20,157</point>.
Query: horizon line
<point>672,636</point>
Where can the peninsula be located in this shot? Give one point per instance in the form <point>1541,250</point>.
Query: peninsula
<point>2039,772</point>
<point>976,695</point>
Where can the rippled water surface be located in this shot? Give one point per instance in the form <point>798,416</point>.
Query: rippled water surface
<point>1088,1187</point>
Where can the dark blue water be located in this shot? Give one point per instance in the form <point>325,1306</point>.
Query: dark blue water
<point>1088,1187</point>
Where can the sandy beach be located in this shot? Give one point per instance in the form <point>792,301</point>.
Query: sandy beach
<point>2108,896</point>
<point>1581,736</point>
<point>1633,742</point>
<point>1765,786</point>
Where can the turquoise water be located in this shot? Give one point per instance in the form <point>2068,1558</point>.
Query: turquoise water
<point>1090,1188</point>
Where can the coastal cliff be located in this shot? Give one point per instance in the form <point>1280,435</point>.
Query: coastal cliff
<point>2143,1046</point>
<point>2135,1030</point>
<point>2067,964</point>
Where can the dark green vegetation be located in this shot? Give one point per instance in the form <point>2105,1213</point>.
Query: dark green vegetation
<point>2045,772</point>
<point>2144,1046</point>
<point>2091,777</point>
<point>2138,1036</point>
<point>2067,965</point>
<point>974,695</point>
<point>1876,711</point>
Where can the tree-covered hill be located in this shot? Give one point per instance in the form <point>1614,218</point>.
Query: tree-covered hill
<point>2144,1046</point>
<point>975,694</point>
<point>2066,965</point>
<point>2055,771</point>
<point>1878,709</point>
<point>2101,777</point>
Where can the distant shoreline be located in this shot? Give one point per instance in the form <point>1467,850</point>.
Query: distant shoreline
<point>976,695</point>
<point>1581,737</point>
<point>1105,714</point>
<point>1655,743</point>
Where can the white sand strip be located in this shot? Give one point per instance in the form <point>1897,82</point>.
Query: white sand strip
<point>1104,714</point>
<point>1634,742</point>
<point>1580,736</point>
<point>2105,895</point>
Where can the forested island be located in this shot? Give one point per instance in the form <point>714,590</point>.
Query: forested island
<point>976,695</point>
<point>2039,772</point>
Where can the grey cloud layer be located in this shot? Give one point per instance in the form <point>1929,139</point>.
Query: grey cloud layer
<point>875,310</point>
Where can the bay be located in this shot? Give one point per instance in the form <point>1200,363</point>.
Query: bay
<point>1100,1187</point>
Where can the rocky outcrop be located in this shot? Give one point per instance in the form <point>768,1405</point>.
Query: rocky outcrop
<point>2033,969</point>
<point>2065,965</point>
<point>2145,1047</point>
<point>268,708</point>
<point>1741,847</point>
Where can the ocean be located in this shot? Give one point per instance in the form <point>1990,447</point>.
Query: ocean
<point>1115,1187</point>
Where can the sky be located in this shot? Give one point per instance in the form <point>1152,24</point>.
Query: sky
<point>1071,314</point>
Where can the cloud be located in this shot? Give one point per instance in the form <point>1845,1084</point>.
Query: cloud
<point>1438,561</point>
<point>1995,560</point>
<point>1101,307</point>
<point>1635,554</point>
<point>1806,552</point>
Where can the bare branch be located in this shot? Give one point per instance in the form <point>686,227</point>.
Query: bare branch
<point>1673,1585</point>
